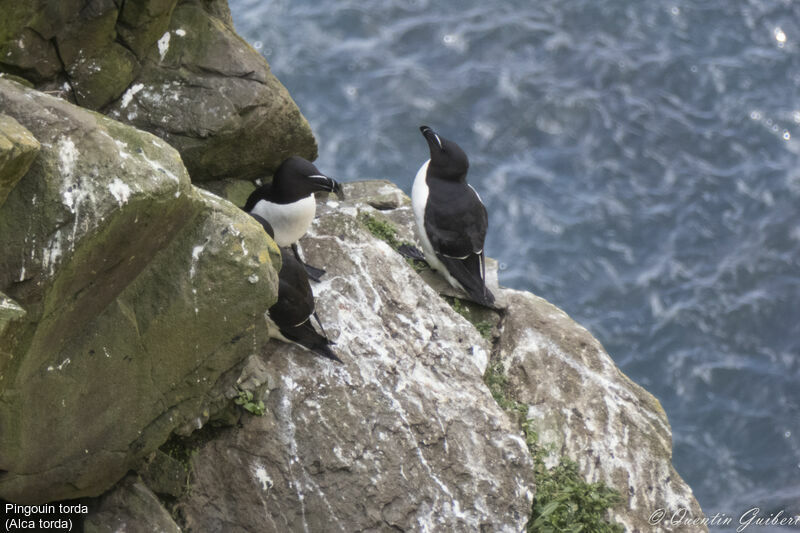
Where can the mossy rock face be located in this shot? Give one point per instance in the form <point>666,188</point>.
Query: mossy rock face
<point>141,23</point>
<point>174,68</point>
<point>26,30</point>
<point>139,293</point>
<point>48,42</point>
<point>98,80</point>
<point>212,96</point>
<point>235,191</point>
<point>165,475</point>
<point>66,227</point>
<point>18,149</point>
<point>153,355</point>
<point>98,68</point>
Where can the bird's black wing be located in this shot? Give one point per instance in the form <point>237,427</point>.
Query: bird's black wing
<point>456,222</point>
<point>306,336</point>
<point>257,195</point>
<point>264,224</point>
<point>295,306</point>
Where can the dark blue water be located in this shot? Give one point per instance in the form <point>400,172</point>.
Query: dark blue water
<point>639,161</point>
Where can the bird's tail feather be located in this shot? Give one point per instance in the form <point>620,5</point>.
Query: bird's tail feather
<point>306,336</point>
<point>325,350</point>
<point>470,273</point>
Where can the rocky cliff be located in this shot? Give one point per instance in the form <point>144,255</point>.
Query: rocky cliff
<point>114,268</point>
<point>174,68</point>
<point>135,371</point>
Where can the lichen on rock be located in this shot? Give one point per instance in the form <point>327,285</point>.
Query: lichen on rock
<point>212,96</point>
<point>136,296</point>
<point>174,68</point>
<point>583,408</point>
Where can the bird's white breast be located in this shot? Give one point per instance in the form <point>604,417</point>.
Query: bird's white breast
<point>290,221</point>
<point>419,198</point>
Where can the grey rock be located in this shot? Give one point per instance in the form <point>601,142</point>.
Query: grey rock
<point>164,475</point>
<point>404,435</point>
<point>583,407</point>
<point>174,68</point>
<point>207,92</point>
<point>130,507</point>
<point>383,195</point>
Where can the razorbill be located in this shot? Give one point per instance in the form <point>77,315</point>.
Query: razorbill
<point>288,202</point>
<point>289,319</point>
<point>451,218</point>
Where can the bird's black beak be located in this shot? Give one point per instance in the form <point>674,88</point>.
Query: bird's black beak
<point>337,188</point>
<point>434,141</point>
<point>324,183</point>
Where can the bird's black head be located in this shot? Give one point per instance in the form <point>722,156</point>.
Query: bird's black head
<point>448,160</point>
<point>297,178</point>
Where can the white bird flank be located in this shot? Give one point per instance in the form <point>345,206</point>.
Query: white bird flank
<point>290,221</point>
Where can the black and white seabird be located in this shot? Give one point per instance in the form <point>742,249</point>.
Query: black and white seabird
<point>451,218</point>
<point>288,202</point>
<point>289,319</point>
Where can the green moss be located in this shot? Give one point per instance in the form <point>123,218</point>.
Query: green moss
<point>181,449</point>
<point>381,229</point>
<point>419,266</point>
<point>386,232</point>
<point>477,316</point>
<point>245,400</point>
<point>11,77</point>
<point>564,501</point>
<point>497,382</point>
